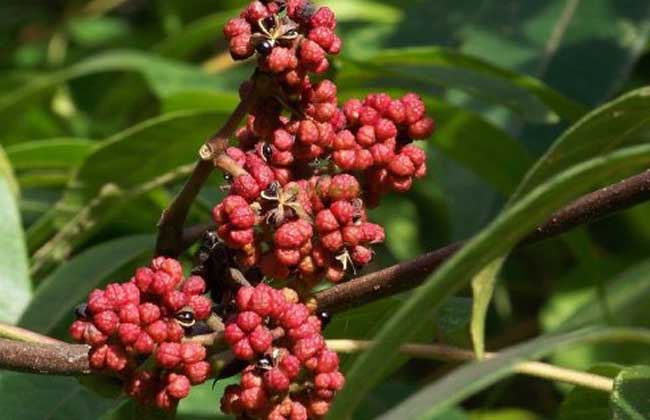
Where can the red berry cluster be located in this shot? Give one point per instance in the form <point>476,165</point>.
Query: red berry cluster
<point>291,37</point>
<point>125,323</point>
<point>310,167</point>
<point>292,374</point>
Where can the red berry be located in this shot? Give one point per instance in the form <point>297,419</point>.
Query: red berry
<point>248,321</point>
<point>194,285</point>
<point>107,322</point>
<point>178,386</point>
<point>324,17</point>
<point>168,355</point>
<point>276,381</point>
<point>197,372</point>
<point>192,352</point>
<point>260,339</point>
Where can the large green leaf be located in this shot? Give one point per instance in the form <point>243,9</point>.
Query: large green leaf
<point>7,172</point>
<point>38,397</point>
<point>71,283</point>
<point>14,274</point>
<point>51,153</point>
<point>202,403</point>
<point>622,122</point>
<point>152,154</point>
<point>438,66</point>
<point>147,151</point>
<point>627,296</point>
<point>476,376</point>
<point>547,40</point>
<point>494,241</point>
<point>630,396</point>
<point>163,76</point>
<point>195,36</point>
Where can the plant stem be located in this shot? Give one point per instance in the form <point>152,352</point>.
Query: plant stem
<point>14,333</point>
<point>170,227</point>
<point>46,359</point>
<point>454,354</point>
<point>410,274</point>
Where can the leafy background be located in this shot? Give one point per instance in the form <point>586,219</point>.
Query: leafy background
<point>105,102</point>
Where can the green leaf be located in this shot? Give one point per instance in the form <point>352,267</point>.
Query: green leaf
<point>200,99</point>
<point>584,403</point>
<point>476,376</point>
<point>426,66</point>
<point>71,283</point>
<point>147,151</point>
<point>164,76</point>
<point>504,414</point>
<point>126,166</point>
<point>494,241</point>
<point>547,40</point>
<point>620,123</point>
<point>364,10</point>
<point>193,37</point>
<point>629,399</point>
<point>482,290</point>
<point>627,298</point>
<point>51,153</point>
<point>15,283</point>
<point>468,139</point>
<point>7,173</point>
<point>131,410</point>
<point>201,401</point>
<point>94,32</point>
<point>37,397</point>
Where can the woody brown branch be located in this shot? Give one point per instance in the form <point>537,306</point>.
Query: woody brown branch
<point>172,220</point>
<point>410,274</point>
<point>71,359</point>
<point>46,359</point>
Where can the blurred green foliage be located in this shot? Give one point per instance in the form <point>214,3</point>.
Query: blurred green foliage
<point>103,104</point>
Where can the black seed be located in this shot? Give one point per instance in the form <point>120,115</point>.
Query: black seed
<point>269,22</point>
<point>267,151</point>
<point>81,311</point>
<point>272,189</point>
<point>265,362</point>
<point>185,318</point>
<point>264,47</point>
<point>325,318</point>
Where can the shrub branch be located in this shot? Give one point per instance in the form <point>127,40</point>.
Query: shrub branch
<point>412,273</point>
<point>40,354</point>
<point>172,220</point>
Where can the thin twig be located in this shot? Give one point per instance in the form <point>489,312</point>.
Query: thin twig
<point>170,227</point>
<point>410,274</point>
<point>455,354</point>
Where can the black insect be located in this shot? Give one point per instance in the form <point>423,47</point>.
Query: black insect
<point>81,311</point>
